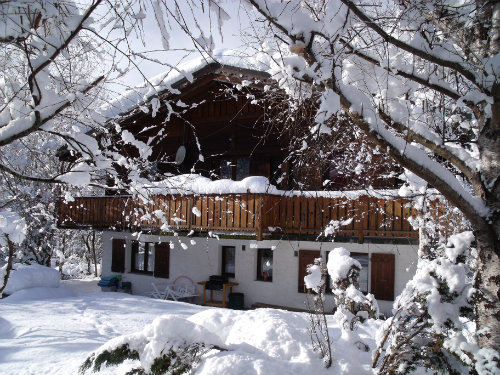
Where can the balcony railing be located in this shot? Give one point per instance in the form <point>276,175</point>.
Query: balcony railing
<point>259,214</point>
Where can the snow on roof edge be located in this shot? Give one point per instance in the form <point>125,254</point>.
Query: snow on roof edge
<point>166,81</point>
<point>194,184</point>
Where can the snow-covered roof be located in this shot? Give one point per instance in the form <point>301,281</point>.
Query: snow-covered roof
<point>142,94</point>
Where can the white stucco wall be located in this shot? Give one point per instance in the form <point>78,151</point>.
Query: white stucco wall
<point>203,259</point>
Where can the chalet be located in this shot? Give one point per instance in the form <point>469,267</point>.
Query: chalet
<point>227,209</point>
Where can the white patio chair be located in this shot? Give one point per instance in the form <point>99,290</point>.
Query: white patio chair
<point>157,293</point>
<point>183,287</point>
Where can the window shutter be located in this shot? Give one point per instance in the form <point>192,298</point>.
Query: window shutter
<point>382,280</point>
<point>306,257</point>
<point>118,255</point>
<point>162,260</point>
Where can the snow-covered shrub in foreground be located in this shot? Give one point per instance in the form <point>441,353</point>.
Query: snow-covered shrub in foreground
<point>168,345</point>
<point>208,339</point>
<point>431,326</point>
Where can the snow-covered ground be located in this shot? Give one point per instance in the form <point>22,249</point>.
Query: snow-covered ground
<point>53,330</point>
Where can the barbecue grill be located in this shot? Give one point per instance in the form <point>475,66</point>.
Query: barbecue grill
<point>216,282</point>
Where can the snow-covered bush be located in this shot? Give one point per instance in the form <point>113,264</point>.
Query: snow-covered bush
<point>74,269</point>
<point>228,341</point>
<point>170,345</point>
<point>352,305</point>
<point>315,281</point>
<point>31,276</point>
<point>431,326</point>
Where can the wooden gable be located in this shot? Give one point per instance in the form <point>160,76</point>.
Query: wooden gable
<point>225,123</point>
<point>231,128</point>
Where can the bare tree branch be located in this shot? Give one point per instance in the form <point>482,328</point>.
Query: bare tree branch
<point>13,173</point>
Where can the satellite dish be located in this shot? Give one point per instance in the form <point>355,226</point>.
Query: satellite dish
<point>180,155</point>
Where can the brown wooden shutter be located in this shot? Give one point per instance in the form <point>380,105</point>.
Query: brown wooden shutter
<point>382,280</point>
<point>118,255</point>
<point>306,257</point>
<point>162,260</point>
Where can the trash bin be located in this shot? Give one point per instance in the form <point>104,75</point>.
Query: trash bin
<point>126,287</point>
<point>236,301</point>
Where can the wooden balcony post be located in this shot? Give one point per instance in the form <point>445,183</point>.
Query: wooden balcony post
<point>360,214</point>
<point>259,221</point>
<point>189,212</point>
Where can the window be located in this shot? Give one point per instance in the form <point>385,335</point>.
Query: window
<point>151,258</point>
<point>235,168</point>
<point>362,258</point>
<point>226,169</point>
<point>265,265</point>
<point>242,168</point>
<point>118,255</point>
<point>228,260</point>
<point>143,257</point>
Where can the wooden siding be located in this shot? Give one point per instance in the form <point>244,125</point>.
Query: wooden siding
<point>242,213</point>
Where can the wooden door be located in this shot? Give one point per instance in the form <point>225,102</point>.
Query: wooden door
<point>382,279</point>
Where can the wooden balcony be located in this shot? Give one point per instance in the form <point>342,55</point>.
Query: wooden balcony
<point>255,214</point>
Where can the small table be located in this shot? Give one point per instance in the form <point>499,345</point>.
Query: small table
<point>211,302</point>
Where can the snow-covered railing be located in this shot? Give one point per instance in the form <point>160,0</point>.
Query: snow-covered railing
<point>259,214</point>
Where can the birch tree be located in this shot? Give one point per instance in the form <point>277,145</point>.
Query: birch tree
<point>421,79</point>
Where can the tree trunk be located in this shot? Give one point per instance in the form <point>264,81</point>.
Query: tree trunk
<point>61,261</point>
<point>94,255</point>
<point>89,264</point>
<point>85,239</point>
<point>487,283</point>
<point>10,259</point>
<point>487,234</point>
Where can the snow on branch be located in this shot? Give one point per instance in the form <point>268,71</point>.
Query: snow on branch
<point>20,127</point>
<point>412,157</point>
<point>42,63</point>
<point>426,55</point>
